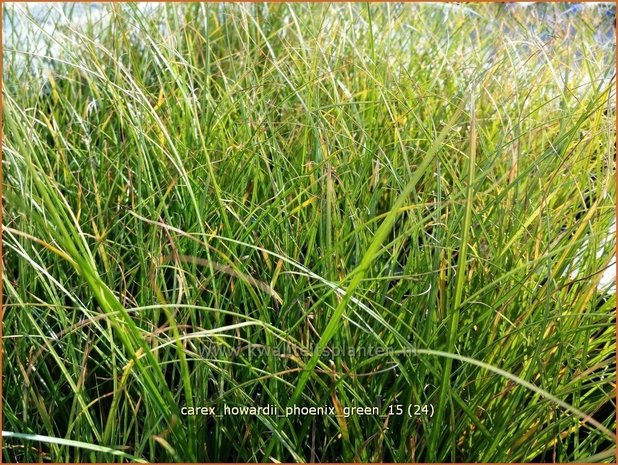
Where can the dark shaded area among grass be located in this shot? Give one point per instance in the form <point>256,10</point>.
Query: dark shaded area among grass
<point>208,204</point>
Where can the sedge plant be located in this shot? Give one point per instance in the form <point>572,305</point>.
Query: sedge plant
<point>400,206</point>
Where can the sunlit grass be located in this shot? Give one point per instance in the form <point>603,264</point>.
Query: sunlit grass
<point>187,184</point>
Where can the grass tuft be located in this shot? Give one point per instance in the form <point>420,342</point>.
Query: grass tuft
<point>346,205</point>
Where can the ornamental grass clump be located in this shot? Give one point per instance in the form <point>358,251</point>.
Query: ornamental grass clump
<point>399,211</point>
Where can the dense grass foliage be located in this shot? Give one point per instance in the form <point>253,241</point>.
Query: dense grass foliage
<point>313,205</point>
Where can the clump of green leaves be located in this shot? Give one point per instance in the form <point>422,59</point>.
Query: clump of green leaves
<point>309,204</point>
